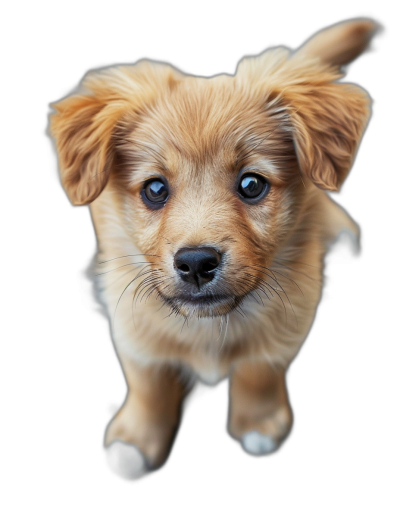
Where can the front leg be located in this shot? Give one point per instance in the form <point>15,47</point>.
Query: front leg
<point>140,436</point>
<point>260,416</point>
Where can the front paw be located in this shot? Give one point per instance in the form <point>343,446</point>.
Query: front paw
<point>266,436</point>
<point>256,443</point>
<point>262,436</point>
<point>126,460</point>
<point>137,443</point>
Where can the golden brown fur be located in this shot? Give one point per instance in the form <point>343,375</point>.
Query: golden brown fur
<point>284,115</point>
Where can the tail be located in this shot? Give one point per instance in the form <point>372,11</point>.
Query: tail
<point>340,44</point>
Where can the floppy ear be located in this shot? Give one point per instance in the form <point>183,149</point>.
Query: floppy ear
<point>82,128</point>
<point>84,123</point>
<point>326,118</point>
<point>328,121</point>
<point>329,118</point>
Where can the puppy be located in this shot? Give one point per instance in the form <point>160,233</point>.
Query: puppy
<point>209,205</point>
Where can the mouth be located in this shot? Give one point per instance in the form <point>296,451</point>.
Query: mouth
<point>203,305</point>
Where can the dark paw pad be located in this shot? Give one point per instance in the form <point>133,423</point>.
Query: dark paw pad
<point>126,461</point>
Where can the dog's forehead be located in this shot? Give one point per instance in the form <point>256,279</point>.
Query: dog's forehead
<point>204,114</point>
<point>206,123</point>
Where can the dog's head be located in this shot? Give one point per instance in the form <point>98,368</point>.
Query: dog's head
<point>210,176</point>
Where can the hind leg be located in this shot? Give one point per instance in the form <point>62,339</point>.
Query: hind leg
<point>260,416</point>
<point>339,227</point>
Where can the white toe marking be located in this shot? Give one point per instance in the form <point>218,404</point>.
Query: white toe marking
<point>126,460</point>
<point>257,444</point>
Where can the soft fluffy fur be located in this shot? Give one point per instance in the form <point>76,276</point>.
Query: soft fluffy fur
<point>286,116</point>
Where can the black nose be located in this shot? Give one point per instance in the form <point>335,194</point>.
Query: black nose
<point>197,264</point>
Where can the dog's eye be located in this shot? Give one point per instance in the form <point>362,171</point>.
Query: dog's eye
<point>155,193</point>
<point>252,187</point>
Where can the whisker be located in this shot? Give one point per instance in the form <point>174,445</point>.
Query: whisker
<point>297,271</point>
<point>185,322</point>
<point>316,281</point>
<point>289,301</point>
<point>226,331</point>
<point>264,273</point>
<point>156,285</point>
<point>143,283</point>
<point>294,261</point>
<point>153,284</point>
<point>127,255</point>
<point>291,280</point>
<point>119,277</point>
<point>164,302</point>
<point>283,303</point>
<point>261,288</point>
<point>262,281</point>
<point>120,267</point>
<point>120,297</point>
<point>281,287</point>
<point>253,295</point>
<point>239,310</point>
<point>220,328</point>
<point>265,284</point>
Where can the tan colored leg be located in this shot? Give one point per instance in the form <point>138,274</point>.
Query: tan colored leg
<point>260,415</point>
<point>150,415</point>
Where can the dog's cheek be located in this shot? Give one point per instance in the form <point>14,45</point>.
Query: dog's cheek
<point>263,222</point>
<point>273,220</point>
<point>142,224</point>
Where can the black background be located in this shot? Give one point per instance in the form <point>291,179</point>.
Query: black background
<point>337,454</point>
